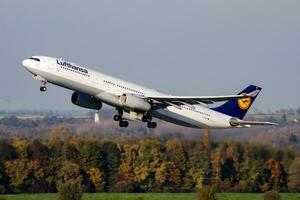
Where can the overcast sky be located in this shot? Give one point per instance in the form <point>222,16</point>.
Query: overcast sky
<point>180,47</point>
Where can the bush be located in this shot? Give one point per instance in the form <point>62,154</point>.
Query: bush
<point>70,190</point>
<point>122,186</point>
<point>271,195</point>
<point>206,193</point>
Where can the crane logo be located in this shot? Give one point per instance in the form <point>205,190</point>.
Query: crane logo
<point>244,103</point>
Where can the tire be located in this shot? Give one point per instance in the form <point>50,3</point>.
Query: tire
<point>125,123</point>
<point>117,117</point>
<point>144,119</point>
<point>43,89</point>
<point>151,125</point>
<point>154,125</point>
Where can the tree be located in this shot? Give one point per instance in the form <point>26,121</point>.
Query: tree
<point>206,193</point>
<point>168,176</point>
<point>294,176</point>
<point>176,153</point>
<point>37,151</point>
<point>26,176</point>
<point>7,151</point>
<point>68,171</point>
<point>70,190</point>
<point>271,195</point>
<point>70,152</point>
<point>97,178</point>
<point>4,180</point>
<point>207,139</point>
<point>92,155</point>
<point>278,178</point>
<point>60,131</point>
<point>112,161</point>
<point>228,170</point>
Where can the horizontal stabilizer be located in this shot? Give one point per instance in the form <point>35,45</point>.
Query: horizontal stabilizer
<point>235,122</point>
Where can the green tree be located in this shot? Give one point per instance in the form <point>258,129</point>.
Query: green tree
<point>37,151</point>
<point>92,155</point>
<point>112,161</point>
<point>7,151</point>
<point>70,152</point>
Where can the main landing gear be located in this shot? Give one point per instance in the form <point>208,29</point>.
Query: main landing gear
<point>118,118</point>
<point>43,88</point>
<point>148,119</point>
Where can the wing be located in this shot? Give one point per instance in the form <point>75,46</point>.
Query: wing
<point>188,99</point>
<point>198,99</point>
<point>235,122</point>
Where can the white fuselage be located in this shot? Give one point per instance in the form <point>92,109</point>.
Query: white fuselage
<point>108,89</point>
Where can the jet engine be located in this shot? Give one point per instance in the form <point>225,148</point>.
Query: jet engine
<point>86,101</point>
<point>135,103</point>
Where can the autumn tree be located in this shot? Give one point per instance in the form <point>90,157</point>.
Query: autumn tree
<point>26,176</point>
<point>69,171</point>
<point>60,132</point>
<point>97,178</point>
<point>294,176</point>
<point>176,153</point>
<point>207,139</point>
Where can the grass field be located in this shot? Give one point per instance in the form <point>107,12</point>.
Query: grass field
<point>151,196</point>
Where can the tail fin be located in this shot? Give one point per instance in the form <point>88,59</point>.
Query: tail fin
<point>238,108</point>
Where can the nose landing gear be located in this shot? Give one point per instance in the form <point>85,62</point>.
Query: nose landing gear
<point>43,88</point>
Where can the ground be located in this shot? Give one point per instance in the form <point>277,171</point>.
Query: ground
<point>151,196</point>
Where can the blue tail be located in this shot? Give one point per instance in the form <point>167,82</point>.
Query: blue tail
<point>239,107</point>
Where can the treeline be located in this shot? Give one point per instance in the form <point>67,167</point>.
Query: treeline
<point>143,165</point>
<point>34,123</point>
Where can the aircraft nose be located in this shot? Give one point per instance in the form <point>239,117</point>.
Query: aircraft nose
<point>26,63</point>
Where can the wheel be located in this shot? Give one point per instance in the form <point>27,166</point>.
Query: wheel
<point>43,89</point>
<point>151,125</point>
<point>123,124</point>
<point>154,125</point>
<point>146,118</point>
<point>117,118</point>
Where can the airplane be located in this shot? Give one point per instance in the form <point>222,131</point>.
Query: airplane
<point>134,102</point>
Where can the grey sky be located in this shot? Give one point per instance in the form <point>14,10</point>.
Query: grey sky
<point>179,47</point>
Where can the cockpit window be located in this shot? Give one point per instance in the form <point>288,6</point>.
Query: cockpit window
<point>36,59</point>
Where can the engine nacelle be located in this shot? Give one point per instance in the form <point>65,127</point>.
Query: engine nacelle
<point>86,101</point>
<point>135,103</point>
